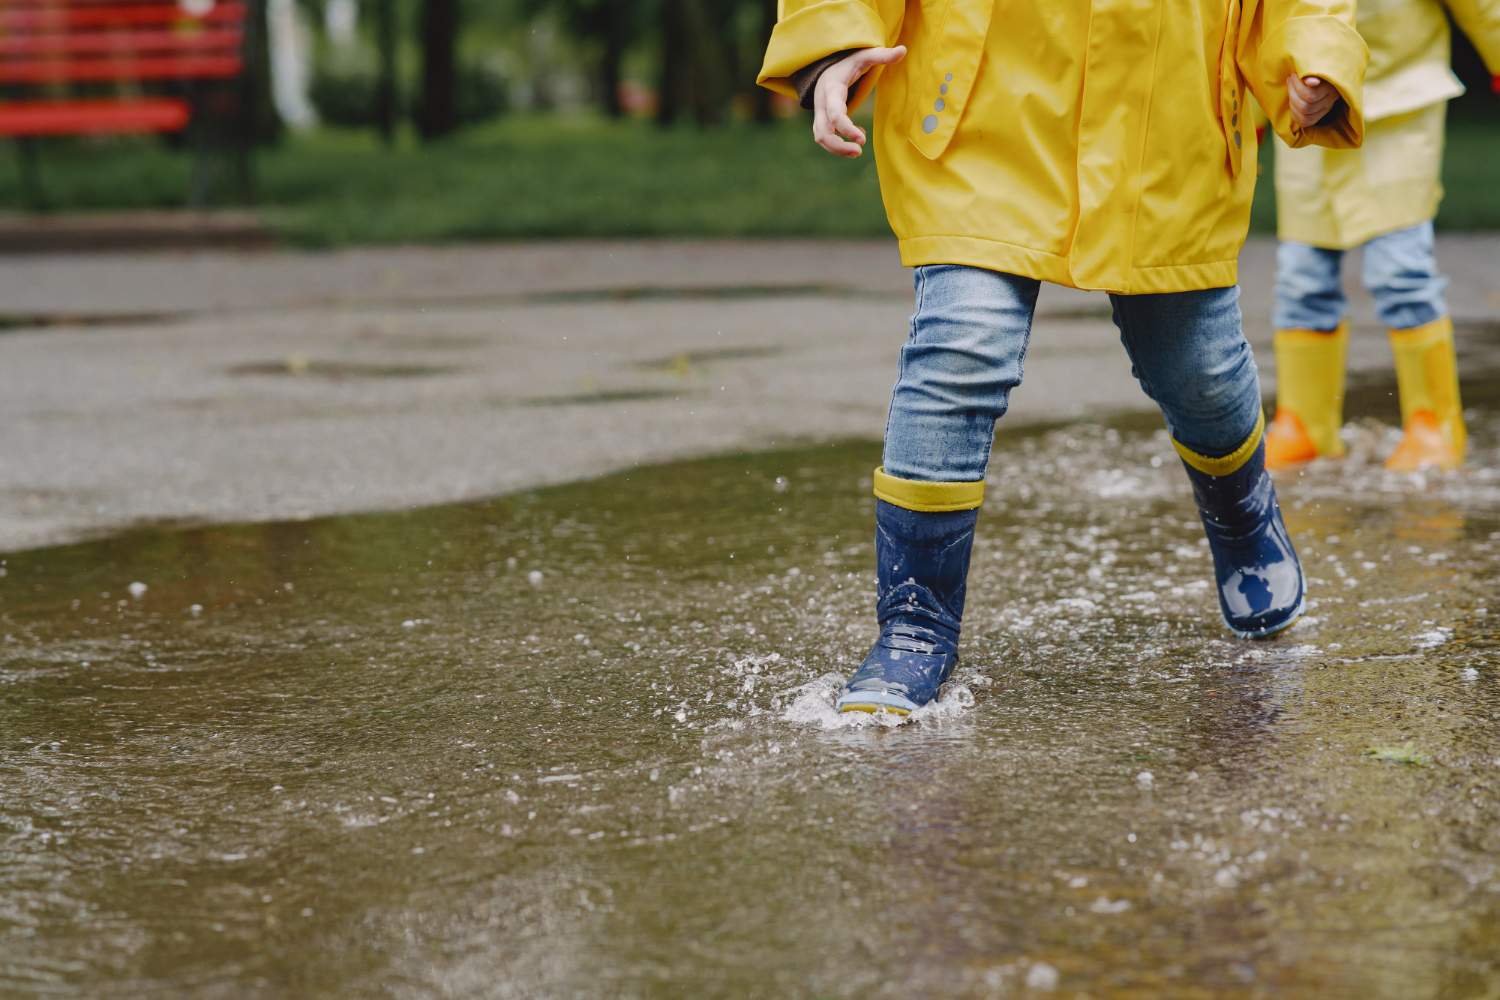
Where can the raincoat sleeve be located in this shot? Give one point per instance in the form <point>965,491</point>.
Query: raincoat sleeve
<point>808,30</point>
<point>1480,20</point>
<point>1310,38</point>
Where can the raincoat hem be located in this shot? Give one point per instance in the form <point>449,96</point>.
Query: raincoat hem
<point>1385,207</point>
<point>993,255</point>
<point>1011,258</point>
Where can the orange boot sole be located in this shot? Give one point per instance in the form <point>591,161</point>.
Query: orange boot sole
<point>1424,445</point>
<point>1287,442</point>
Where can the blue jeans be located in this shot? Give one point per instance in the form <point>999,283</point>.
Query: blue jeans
<point>968,340</point>
<point>1400,270</point>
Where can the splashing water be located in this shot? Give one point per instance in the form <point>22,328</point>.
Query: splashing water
<point>580,742</point>
<point>813,704</point>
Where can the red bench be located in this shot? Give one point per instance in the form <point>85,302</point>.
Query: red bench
<point>80,67</point>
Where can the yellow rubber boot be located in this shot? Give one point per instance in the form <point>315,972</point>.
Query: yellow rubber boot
<point>1431,414</point>
<point>1309,396</point>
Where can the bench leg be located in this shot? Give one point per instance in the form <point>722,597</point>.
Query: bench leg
<point>201,184</point>
<point>32,196</point>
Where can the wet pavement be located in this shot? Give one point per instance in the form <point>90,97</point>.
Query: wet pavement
<point>577,742</point>
<point>214,387</point>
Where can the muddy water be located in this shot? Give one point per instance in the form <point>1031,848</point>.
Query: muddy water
<point>577,743</point>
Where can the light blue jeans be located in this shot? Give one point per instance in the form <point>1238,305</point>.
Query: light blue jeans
<point>1400,270</point>
<point>968,341</point>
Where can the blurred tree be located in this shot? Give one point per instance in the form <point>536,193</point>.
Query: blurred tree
<point>610,28</point>
<point>1478,102</point>
<point>260,124</point>
<point>437,114</point>
<point>698,59</point>
<point>387,99</point>
<point>764,112</point>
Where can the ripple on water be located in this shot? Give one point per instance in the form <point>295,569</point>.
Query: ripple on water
<point>580,741</point>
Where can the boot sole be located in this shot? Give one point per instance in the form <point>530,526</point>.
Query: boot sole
<point>872,703</point>
<point>1277,629</point>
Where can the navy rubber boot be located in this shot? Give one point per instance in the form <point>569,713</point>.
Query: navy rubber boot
<point>922,563</point>
<point>1261,587</point>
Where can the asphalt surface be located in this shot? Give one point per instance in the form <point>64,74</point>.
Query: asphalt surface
<point>222,386</point>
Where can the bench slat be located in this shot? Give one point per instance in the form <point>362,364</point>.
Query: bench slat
<point>54,4</point>
<point>188,67</point>
<point>55,42</point>
<point>133,42</point>
<point>43,118</point>
<point>53,18</point>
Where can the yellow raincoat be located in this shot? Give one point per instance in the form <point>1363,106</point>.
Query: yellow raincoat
<point>1092,143</point>
<point>1341,198</point>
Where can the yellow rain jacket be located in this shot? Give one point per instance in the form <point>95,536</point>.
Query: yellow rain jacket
<point>1092,143</point>
<point>1342,198</point>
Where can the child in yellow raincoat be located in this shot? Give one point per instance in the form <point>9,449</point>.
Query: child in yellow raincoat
<point>1094,143</point>
<point>1381,197</point>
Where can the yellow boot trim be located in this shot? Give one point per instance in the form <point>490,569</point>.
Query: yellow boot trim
<point>931,497</point>
<point>1229,463</point>
<point>1310,383</point>
<point>875,709</point>
<point>1427,377</point>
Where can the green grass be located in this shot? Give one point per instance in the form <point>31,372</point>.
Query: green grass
<point>530,176</point>
<point>523,176</point>
<point>1405,754</point>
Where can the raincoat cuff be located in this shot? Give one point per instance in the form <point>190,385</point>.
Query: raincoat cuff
<point>810,34</point>
<point>1329,49</point>
<point>806,79</point>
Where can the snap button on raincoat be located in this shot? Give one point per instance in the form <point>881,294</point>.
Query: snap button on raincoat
<point>1341,198</point>
<point>1102,144</point>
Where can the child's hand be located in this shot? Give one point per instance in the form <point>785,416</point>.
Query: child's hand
<point>1310,97</point>
<point>831,99</point>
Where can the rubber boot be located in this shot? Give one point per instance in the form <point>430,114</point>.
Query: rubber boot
<point>922,566</point>
<point>1432,418</point>
<point>1261,587</point>
<point>1309,396</point>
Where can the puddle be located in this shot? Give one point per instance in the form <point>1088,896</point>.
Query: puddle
<point>301,365</point>
<point>14,322</point>
<point>620,396</point>
<point>691,362</point>
<point>576,742</point>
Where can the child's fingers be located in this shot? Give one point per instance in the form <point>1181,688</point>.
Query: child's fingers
<point>1300,90</point>
<point>1310,98</point>
<point>831,110</point>
<point>845,127</point>
<point>839,147</point>
<point>867,59</point>
<point>884,56</point>
<point>842,129</point>
<point>826,126</point>
<point>848,71</point>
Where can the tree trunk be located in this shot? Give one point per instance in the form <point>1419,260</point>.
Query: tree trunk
<point>609,75</point>
<point>676,61</point>
<point>386,110</point>
<point>763,110</point>
<point>439,113</point>
<point>692,64</point>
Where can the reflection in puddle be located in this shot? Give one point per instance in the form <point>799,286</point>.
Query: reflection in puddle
<point>301,364</point>
<point>577,742</point>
